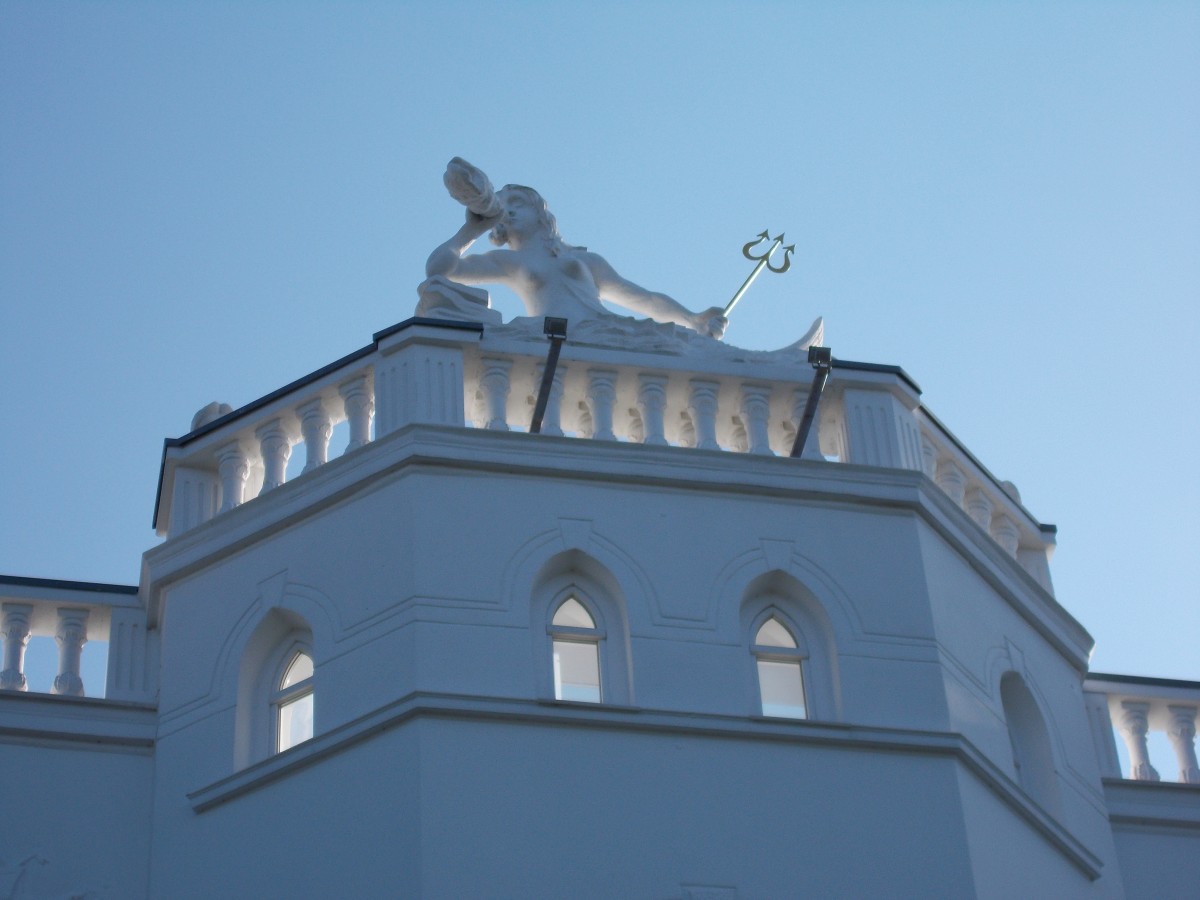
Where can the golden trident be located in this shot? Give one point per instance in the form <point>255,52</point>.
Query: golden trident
<point>764,261</point>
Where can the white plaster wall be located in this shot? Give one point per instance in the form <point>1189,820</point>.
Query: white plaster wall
<point>453,556</point>
<point>1159,862</point>
<point>981,636</point>
<point>420,580</point>
<point>1009,859</point>
<point>571,817</point>
<point>524,810</point>
<point>75,821</point>
<point>346,827</point>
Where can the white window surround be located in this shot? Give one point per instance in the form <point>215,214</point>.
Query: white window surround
<point>266,657</point>
<point>609,637</point>
<point>798,610</point>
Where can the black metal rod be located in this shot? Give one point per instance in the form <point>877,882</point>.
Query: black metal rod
<point>556,329</point>
<point>823,368</point>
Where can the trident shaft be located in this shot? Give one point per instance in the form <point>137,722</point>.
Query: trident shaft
<point>764,262</point>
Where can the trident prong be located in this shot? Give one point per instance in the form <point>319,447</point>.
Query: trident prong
<point>787,259</point>
<point>763,260</point>
<point>764,236</point>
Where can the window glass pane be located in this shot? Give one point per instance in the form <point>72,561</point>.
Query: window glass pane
<point>774,634</point>
<point>301,668</point>
<point>295,721</point>
<point>782,689</point>
<point>573,615</point>
<point>577,671</point>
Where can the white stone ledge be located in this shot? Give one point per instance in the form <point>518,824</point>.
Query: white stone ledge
<point>99,723</point>
<point>1153,804</point>
<point>695,725</point>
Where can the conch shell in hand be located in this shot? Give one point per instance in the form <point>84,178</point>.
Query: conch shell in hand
<point>470,187</point>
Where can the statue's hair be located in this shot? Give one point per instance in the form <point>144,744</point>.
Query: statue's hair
<point>554,241</point>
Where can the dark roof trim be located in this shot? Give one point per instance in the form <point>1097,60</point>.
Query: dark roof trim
<point>60,585</point>
<point>1145,680</point>
<point>436,323</point>
<point>876,367</point>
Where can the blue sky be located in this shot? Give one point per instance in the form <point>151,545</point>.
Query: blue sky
<point>205,201</point>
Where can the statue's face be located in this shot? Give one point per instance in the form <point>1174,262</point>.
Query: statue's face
<point>520,216</point>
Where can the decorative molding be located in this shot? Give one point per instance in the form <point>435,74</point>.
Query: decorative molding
<point>696,725</point>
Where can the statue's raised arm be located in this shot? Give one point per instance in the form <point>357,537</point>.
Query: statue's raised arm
<point>551,277</point>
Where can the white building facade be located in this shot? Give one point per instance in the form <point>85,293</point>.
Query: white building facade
<point>643,653</point>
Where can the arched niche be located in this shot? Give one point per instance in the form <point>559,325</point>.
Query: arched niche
<point>1029,736</point>
<point>778,595</point>
<point>275,640</point>
<point>575,575</point>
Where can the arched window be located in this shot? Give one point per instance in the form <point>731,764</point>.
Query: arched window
<point>276,684</point>
<point>779,659</point>
<point>575,645</point>
<point>1033,755</point>
<point>293,701</point>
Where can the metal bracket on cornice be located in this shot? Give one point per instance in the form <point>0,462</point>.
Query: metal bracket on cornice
<point>822,360</point>
<point>556,330</point>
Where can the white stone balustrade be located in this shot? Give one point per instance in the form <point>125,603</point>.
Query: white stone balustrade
<point>74,615</point>
<point>1131,709</point>
<point>468,375</point>
<point>993,505</point>
<point>223,465</point>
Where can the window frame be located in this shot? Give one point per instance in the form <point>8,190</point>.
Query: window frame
<point>595,636</point>
<point>798,656</point>
<point>281,697</point>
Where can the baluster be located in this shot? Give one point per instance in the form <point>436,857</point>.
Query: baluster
<point>756,412</point>
<point>70,635</point>
<point>1134,726</point>
<point>360,406</point>
<point>1182,732</point>
<point>276,448</point>
<point>1004,532</point>
<point>494,386</point>
<point>928,456</point>
<point>601,394</point>
<point>316,426</point>
<point>651,406</point>
<point>951,479</point>
<point>702,406</point>
<point>234,469</point>
<point>979,507</point>
<point>16,638</point>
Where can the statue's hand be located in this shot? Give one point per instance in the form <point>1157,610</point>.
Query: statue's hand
<point>480,224</point>
<point>712,322</point>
